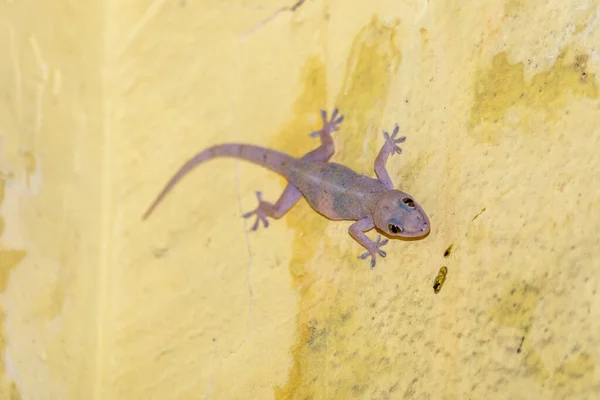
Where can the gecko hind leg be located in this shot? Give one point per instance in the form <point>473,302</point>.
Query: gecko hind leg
<point>327,148</point>
<point>286,201</point>
<point>292,194</point>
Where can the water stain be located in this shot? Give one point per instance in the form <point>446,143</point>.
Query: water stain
<point>503,86</point>
<point>574,375</point>
<point>330,350</point>
<point>9,391</point>
<point>512,8</point>
<point>516,307</point>
<point>9,259</point>
<point>30,164</point>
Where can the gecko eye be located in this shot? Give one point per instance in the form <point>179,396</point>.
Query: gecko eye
<point>395,228</point>
<point>408,202</point>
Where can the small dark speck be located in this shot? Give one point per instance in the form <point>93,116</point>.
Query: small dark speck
<point>480,212</point>
<point>512,291</point>
<point>448,251</point>
<point>521,344</point>
<point>298,4</point>
<point>159,253</point>
<point>214,339</point>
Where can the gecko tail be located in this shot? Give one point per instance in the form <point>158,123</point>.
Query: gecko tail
<point>271,159</point>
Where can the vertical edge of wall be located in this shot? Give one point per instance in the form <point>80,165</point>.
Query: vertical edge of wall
<point>53,175</point>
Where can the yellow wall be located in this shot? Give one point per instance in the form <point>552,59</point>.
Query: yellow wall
<point>100,102</point>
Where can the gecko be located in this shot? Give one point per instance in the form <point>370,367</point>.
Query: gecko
<point>333,190</point>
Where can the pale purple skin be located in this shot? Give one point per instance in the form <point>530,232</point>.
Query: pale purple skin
<point>333,190</point>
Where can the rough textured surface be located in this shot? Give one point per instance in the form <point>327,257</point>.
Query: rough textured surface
<point>101,103</point>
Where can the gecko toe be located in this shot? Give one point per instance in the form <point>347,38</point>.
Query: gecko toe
<point>259,219</point>
<point>324,116</point>
<point>330,125</point>
<point>375,250</point>
<point>334,114</point>
<point>260,212</point>
<point>380,242</point>
<point>394,142</point>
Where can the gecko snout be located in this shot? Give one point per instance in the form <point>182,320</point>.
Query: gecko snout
<point>417,223</point>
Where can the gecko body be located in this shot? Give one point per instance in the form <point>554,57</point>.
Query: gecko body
<point>332,189</point>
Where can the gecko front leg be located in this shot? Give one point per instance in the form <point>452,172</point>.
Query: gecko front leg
<point>357,230</point>
<point>389,147</point>
<point>327,148</point>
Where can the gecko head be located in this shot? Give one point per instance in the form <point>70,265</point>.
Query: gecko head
<point>398,215</point>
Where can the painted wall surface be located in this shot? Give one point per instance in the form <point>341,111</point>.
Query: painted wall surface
<point>101,102</point>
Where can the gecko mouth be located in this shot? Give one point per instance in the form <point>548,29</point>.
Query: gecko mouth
<point>419,232</point>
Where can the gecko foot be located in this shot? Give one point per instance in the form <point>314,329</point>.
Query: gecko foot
<point>329,126</point>
<point>260,212</point>
<point>393,142</point>
<point>374,250</point>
